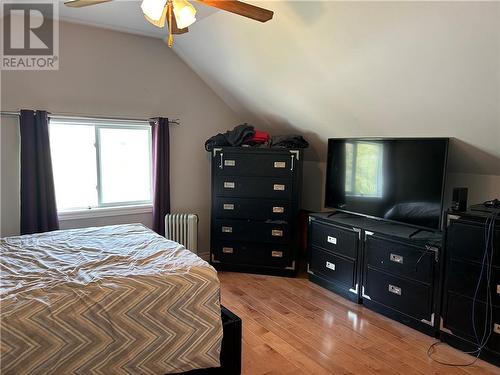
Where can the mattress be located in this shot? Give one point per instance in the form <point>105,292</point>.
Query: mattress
<point>109,300</point>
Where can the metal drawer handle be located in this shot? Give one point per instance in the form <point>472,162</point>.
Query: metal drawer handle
<point>229,163</point>
<point>278,210</point>
<point>227,229</point>
<point>277,233</point>
<point>332,240</point>
<point>277,254</point>
<point>229,185</point>
<point>228,206</point>
<point>227,250</point>
<point>395,289</point>
<point>279,164</point>
<point>279,187</point>
<point>330,265</point>
<point>396,258</point>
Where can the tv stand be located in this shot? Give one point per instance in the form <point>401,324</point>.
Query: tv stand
<point>417,232</point>
<point>388,267</point>
<point>333,213</point>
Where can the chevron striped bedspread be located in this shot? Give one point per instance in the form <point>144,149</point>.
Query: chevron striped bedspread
<point>110,300</point>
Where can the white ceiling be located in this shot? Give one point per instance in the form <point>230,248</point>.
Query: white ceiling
<point>339,69</point>
<point>123,15</point>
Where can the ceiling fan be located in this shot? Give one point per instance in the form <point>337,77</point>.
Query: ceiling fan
<point>179,14</point>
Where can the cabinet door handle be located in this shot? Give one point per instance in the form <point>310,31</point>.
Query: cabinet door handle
<point>279,164</point>
<point>228,206</point>
<point>291,164</point>
<point>227,229</point>
<point>279,187</point>
<point>227,250</point>
<point>277,254</point>
<point>395,289</point>
<point>221,161</point>
<point>277,233</point>
<point>396,258</point>
<point>330,265</point>
<point>229,185</point>
<point>229,163</point>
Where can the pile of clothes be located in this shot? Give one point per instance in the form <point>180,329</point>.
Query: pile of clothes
<point>246,135</point>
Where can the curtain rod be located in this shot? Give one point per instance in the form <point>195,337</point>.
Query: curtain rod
<point>174,121</point>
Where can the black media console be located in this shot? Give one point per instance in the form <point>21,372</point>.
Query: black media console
<point>416,277</point>
<point>391,268</point>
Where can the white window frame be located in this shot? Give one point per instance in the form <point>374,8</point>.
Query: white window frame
<point>115,208</point>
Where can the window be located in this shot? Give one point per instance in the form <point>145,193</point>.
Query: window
<point>98,163</point>
<point>364,169</point>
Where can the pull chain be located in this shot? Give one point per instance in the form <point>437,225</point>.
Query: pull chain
<point>170,36</point>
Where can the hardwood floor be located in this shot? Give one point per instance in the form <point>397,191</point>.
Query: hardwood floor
<point>292,326</point>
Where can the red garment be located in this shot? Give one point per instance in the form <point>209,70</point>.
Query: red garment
<point>259,137</point>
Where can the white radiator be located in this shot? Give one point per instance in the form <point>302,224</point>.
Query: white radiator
<point>183,228</point>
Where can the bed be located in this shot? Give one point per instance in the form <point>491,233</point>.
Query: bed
<point>107,300</point>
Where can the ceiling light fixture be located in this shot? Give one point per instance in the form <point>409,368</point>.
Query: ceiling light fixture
<point>153,9</point>
<point>184,13</point>
<point>157,12</point>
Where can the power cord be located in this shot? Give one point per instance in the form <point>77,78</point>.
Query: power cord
<point>487,262</point>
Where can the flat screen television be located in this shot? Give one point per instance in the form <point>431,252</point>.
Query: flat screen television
<point>397,179</point>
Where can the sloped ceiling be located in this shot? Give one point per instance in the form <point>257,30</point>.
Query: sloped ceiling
<point>343,69</point>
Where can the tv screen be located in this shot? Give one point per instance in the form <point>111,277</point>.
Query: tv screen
<point>394,179</point>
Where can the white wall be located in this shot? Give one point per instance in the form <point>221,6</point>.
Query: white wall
<point>346,69</point>
<point>109,73</point>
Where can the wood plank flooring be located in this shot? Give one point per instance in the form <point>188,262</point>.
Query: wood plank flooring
<point>292,326</point>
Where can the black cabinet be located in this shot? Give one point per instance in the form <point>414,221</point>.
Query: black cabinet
<point>334,256</point>
<point>255,202</point>
<point>390,268</point>
<point>465,287</point>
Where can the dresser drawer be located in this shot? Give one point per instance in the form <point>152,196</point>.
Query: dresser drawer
<point>467,242</point>
<point>457,317</point>
<point>251,253</point>
<point>332,267</point>
<point>246,230</point>
<point>257,209</point>
<point>248,187</point>
<point>332,238</point>
<point>463,277</point>
<point>400,259</point>
<point>411,298</point>
<point>273,164</point>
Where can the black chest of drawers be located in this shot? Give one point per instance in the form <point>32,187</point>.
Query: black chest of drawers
<point>254,213</point>
<point>382,265</point>
<point>464,292</point>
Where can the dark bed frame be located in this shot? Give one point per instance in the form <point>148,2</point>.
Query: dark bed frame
<point>230,354</point>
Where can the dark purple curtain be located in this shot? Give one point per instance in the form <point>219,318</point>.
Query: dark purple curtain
<point>161,173</point>
<point>38,199</point>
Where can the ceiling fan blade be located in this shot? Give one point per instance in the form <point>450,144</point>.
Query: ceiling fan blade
<point>84,3</point>
<point>243,9</point>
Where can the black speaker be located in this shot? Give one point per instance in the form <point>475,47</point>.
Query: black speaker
<point>459,201</point>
